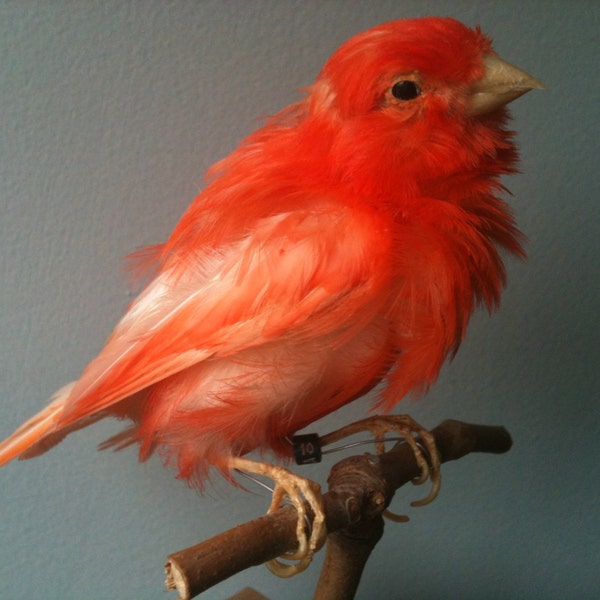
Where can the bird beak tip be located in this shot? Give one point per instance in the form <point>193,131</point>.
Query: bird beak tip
<point>500,84</point>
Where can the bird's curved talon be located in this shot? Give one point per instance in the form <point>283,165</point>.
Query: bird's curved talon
<point>388,514</point>
<point>300,492</point>
<point>417,437</point>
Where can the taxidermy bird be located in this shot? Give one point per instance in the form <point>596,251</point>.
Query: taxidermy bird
<point>344,243</point>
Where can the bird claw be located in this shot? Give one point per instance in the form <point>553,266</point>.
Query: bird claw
<point>301,492</point>
<point>423,447</point>
<point>298,491</point>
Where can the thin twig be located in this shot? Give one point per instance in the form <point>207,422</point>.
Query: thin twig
<point>360,489</point>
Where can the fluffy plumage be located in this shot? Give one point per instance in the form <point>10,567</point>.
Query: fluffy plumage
<point>345,242</point>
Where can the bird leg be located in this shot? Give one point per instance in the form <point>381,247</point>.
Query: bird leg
<point>423,446</point>
<point>298,489</point>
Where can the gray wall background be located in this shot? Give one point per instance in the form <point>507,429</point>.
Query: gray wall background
<point>110,112</point>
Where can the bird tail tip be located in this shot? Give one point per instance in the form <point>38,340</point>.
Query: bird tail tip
<point>33,430</point>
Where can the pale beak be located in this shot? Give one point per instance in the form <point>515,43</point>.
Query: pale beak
<point>501,83</point>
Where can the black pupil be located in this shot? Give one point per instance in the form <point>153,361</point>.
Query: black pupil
<point>405,90</point>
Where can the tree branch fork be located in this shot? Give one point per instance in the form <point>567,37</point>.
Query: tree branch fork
<point>360,489</point>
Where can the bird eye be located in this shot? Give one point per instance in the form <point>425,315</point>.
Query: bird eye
<point>406,90</point>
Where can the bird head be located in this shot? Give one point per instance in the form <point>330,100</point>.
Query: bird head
<point>409,67</point>
<point>417,98</point>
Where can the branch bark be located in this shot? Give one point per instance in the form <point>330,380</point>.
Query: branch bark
<point>360,487</point>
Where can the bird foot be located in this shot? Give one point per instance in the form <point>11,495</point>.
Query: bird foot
<point>419,439</point>
<point>300,491</point>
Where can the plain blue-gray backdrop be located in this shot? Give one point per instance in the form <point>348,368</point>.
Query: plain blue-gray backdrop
<point>110,112</point>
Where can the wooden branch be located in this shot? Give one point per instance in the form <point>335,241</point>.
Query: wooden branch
<point>360,487</point>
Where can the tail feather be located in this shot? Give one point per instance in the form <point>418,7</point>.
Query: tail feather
<point>34,430</point>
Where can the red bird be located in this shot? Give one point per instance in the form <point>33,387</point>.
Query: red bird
<point>345,242</point>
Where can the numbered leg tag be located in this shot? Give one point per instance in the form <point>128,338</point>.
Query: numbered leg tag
<point>307,448</point>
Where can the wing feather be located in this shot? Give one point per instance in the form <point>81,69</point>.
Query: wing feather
<point>299,274</point>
